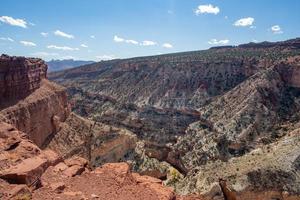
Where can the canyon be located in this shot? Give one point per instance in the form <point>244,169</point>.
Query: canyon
<point>221,123</point>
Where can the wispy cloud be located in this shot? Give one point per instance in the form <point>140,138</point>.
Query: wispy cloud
<point>44,34</point>
<point>106,57</point>
<point>64,48</point>
<point>276,29</point>
<point>167,45</point>
<point>92,36</point>
<point>248,21</point>
<point>13,22</point>
<point>148,43</point>
<point>68,57</point>
<point>6,39</point>
<point>129,41</point>
<point>218,42</point>
<point>63,34</point>
<point>118,39</point>
<point>84,45</point>
<point>44,54</point>
<point>28,43</point>
<point>207,9</point>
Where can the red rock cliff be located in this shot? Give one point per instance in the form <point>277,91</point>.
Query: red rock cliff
<point>19,76</point>
<point>28,100</point>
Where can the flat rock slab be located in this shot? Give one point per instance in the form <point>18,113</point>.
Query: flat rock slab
<point>27,172</point>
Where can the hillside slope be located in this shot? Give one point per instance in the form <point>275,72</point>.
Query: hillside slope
<point>242,98</point>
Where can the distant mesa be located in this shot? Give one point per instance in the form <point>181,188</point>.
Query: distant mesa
<point>58,65</point>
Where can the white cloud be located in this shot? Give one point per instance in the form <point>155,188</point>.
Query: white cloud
<point>92,36</point>
<point>28,44</point>
<point>106,57</point>
<point>6,39</point>
<point>218,42</point>
<point>64,48</point>
<point>248,21</point>
<point>84,45</point>
<point>167,45</point>
<point>44,34</point>
<point>276,29</point>
<point>44,54</point>
<point>129,41</point>
<point>13,22</point>
<point>207,9</point>
<point>62,34</point>
<point>148,43</point>
<point>118,39</point>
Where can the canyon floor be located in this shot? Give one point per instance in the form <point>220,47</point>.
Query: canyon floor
<point>222,123</point>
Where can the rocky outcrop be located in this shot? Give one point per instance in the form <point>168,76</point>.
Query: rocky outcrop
<point>19,77</point>
<point>21,161</point>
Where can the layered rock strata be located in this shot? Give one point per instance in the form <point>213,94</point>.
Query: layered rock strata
<point>19,77</point>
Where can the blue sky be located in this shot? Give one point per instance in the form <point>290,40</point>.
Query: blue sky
<point>105,29</point>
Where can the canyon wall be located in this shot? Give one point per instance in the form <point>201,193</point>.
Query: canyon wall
<point>199,110</point>
<point>19,77</point>
<point>30,102</point>
<point>39,113</point>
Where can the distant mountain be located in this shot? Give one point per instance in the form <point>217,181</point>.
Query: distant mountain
<point>57,65</point>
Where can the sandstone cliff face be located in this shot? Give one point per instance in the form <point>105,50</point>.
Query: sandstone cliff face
<point>97,142</point>
<point>38,114</point>
<point>19,77</point>
<point>28,101</point>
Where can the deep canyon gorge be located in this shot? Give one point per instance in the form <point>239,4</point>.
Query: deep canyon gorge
<point>219,124</point>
